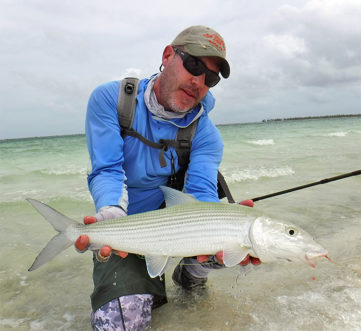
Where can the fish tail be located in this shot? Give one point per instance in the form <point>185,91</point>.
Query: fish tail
<point>59,242</point>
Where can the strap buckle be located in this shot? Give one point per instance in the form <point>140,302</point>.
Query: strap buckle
<point>129,88</point>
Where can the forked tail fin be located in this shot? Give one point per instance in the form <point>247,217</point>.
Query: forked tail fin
<point>58,243</point>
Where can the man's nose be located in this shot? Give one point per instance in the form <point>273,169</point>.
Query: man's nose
<point>198,80</point>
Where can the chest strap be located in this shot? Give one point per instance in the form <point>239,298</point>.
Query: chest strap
<point>181,146</point>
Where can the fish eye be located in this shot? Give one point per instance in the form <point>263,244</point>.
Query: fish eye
<point>291,231</point>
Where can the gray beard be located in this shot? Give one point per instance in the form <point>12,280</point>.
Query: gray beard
<point>157,109</point>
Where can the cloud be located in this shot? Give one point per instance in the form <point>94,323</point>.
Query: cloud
<point>304,59</point>
<point>289,47</point>
<point>288,58</point>
<point>318,43</point>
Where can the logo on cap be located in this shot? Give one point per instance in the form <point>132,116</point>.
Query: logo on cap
<point>216,41</point>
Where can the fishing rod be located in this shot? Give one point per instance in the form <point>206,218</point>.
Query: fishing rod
<point>323,181</point>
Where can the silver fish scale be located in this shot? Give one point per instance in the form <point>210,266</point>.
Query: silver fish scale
<point>173,231</point>
<point>185,230</point>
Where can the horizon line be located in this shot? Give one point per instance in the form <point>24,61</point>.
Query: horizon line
<point>240,123</point>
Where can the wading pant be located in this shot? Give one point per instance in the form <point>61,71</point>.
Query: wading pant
<point>134,312</point>
<point>127,313</point>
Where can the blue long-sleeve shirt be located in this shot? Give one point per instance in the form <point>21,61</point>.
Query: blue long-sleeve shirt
<point>127,166</point>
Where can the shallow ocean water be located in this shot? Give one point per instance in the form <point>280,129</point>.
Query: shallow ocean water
<point>259,159</point>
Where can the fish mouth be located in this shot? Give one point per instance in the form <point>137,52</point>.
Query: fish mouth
<point>310,257</point>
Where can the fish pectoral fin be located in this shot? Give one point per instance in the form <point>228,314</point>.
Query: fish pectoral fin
<point>234,254</point>
<point>156,264</point>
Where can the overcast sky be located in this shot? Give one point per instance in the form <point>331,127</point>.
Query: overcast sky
<point>288,58</point>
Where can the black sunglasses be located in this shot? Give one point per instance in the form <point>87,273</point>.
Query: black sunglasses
<point>196,68</point>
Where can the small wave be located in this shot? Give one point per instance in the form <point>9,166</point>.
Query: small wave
<point>262,142</point>
<point>66,172</point>
<point>255,174</point>
<point>337,134</point>
<point>18,195</point>
<point>77,193</point>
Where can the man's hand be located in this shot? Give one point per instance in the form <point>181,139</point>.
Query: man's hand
<point>248,259</point>
<point>82,243</point>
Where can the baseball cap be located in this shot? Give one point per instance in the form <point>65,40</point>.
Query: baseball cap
<point>200,40</point>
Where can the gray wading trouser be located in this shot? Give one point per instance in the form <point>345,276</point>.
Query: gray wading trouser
<point>124,293</point>
<point>131,312</point>
<point>134,312</point>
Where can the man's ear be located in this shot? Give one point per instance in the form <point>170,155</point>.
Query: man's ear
<point>168,55</point>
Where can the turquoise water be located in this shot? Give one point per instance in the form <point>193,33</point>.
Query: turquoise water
<point>258,159</point>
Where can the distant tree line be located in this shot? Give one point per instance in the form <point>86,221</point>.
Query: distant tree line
<point>311,117</point>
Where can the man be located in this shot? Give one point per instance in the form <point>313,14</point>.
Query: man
<point>126,173</point>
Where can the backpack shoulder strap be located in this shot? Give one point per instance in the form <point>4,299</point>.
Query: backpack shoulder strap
<point>183,148</point>
<point>127,101</point>
<point>184,143</point>
<point>126,107</point>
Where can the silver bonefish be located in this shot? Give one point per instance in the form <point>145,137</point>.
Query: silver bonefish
<point>187,227</point>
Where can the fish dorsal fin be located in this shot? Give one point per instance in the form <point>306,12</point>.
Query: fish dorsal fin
<point>173,197</point>
<point>233,254</point>
<point>156,264</point>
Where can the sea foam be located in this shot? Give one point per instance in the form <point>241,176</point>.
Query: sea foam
<point>65,171</point>
<point>262,142</point>
<point>255,174</point>
<point>337,134</point>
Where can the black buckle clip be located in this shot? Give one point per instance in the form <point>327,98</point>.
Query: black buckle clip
<point>129,88</point>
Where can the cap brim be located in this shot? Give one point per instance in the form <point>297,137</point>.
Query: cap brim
<point>225,69</point>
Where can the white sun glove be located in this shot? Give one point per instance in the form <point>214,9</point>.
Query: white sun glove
<point>107,213</point>
<point>110,212</point>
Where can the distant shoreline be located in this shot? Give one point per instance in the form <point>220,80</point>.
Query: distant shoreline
<point>44,137</point>
<point>263,121</point>
<point>309,118</point>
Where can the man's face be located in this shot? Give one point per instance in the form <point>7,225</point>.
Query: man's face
<point>177,89</point>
